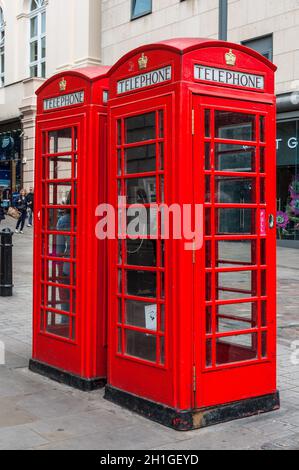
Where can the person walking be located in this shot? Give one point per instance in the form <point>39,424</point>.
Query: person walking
<point>21,205</point>
<point>30,205</point>
<point>2,214</point>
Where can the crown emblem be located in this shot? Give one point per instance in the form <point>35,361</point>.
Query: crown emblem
<point>230,58</point>
<point>62,84</point>
<point>142,62</point>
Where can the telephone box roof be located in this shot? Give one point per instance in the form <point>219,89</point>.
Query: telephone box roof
<point>185,45</point>
<point>88,73</point>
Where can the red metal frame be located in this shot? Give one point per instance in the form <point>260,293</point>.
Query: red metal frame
<point>65,240</point>
<point>184,382</point>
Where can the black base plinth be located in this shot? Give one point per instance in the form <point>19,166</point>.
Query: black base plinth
<point>193,419</point>
<point>61,376</point>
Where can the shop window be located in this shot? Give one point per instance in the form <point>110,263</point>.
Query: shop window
<point>141,8</point>
<point>38,38</point>
<point>2,49</point>
<point>288,180</point>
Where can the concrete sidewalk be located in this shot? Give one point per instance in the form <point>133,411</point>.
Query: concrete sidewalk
<point>36,413</point>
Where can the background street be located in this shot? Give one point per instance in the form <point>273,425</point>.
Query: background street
<point>36,413</point>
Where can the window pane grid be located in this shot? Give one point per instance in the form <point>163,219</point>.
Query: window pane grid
<point>247,340</point>
<point>37,27</point>
<point>59,219</point>
<point>140,324</point>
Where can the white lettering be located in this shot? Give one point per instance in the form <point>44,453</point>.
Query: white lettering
<point>229,77</point>
<point>145,80</point>
<point>64,100</point>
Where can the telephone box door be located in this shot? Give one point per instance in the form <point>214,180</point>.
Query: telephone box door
<point>55,251</point>
<point>234,313</point>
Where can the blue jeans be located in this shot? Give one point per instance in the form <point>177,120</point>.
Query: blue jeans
<point>30,216</point>
<point>22,220</point>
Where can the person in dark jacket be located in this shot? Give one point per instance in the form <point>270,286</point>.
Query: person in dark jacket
<point>2,214</point>
<point>21,205</point>
<point>30,205</point>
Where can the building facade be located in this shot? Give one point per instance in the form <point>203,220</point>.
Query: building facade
<point>41,37</point>
<point>269,26</point>
<point>38,38</point>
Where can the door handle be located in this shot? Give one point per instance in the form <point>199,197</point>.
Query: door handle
<point>271,221</point>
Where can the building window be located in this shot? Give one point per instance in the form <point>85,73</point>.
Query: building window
<point>141,8</point>
<point>38,38</point>
<point>2,49</point>
<point>263,45</point>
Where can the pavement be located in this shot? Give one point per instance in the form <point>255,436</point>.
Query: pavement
<point>38,414</point>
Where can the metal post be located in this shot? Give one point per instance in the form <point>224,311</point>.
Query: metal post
<point>6,276</point>
<point>223,19</point>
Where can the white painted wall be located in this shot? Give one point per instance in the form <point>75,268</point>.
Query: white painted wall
<point>248,19</point>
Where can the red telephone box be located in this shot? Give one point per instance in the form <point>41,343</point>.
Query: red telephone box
<point>192,332</point>
<point>69,341</point>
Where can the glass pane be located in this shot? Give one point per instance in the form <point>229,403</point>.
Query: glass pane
<point>209,356</point>
<point>208,189</point>
<point>235,190</point>
<point>262,128</point>
<point>162,156</point>
<point>235,126</point>
<point>60,141</point>
<point>43,26</point>
<point>141,252</point>
<point>60,168</point>
<point>208,287</point>
<point>207,123</point>
<point>262,160</point>
<point>140,128</point>
<point>58,325</point>
<point>236,349</point>
<point>236,221</point>
<point>236,285</point>
<point>161,124</point>
<point>43,46</point>
<point>54,245</point>
<point>142,283</point>
<point>234,253</point>
<point>59,272</point>
<point>33,27</point>
<point>43,70</point>
<point>141,191</point>
<point>142,315</point>
<point>140,7</point>
<point>207,157</point>
<point>33,71</point>
<point>264,313</point>
<point>59,298</point>
<point>235,158</point>
<point>140,159</point>
<point>264,344</point>
<point>162,350</point>
<point>33,51</point>
<point>209,320</point>
<point>236,317</point>
<point>141,345</point>
<point>60,194</point>
<point>60,220</point>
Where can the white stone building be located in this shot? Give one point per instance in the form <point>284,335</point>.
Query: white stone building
<point>38,39</point>
<point>41,37</point>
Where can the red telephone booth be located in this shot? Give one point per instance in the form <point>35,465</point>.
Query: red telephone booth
<point>69,340</point>
<point>192,332</point>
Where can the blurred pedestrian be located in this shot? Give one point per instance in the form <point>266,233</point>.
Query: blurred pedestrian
<point>21,205</point>
<point>30,206</point>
